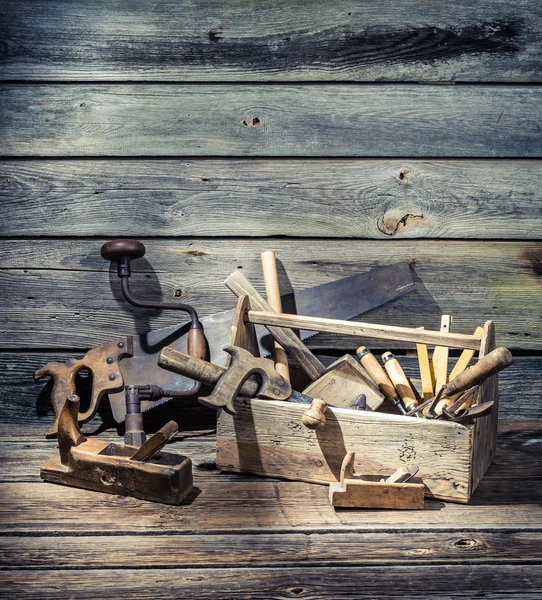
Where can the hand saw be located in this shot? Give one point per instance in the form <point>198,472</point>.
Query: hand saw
<point>341,299</point>
<point>132,360</point>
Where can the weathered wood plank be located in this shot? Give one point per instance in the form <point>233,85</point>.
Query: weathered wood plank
<point>376,199</point>
<point>321,120</point>
<point>27,411</point>
<point>278,41</point>
<point>518,456</point>
<point>62,296</point>
<point>291,549</point>
<point>413,581</point>
<point>224,505</point>
<point>359,199</point>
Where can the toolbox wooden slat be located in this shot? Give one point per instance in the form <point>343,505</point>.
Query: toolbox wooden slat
<point>360,198</point>
<point>288,120</point>
<point>279,41</point>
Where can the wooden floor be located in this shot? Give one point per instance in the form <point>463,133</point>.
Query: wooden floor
<point>345,135</point>
<point>248,537</point>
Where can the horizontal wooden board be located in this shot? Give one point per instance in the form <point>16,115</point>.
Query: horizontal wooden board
<point>219,504</point>
<point>292,120</point>
<point>363,198</point>
<point>523,582</point>
<point>27,412</point>
<point>393,41</point>
<point>517,456</point>
<point>170,551</point>
<point>61,294</point>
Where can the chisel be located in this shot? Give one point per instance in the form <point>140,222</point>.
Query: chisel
<point>378,375</point>
<point>492,363</point>
<point>400,381</point>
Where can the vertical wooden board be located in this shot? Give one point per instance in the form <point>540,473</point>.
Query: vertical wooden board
<point>268,438</point>
<point>242,332</point>
<point>485,429</point>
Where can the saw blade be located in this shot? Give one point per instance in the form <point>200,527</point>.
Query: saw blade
<point>341,299</point>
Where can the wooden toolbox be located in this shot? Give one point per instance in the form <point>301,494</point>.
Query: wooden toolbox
<point>267,437</point>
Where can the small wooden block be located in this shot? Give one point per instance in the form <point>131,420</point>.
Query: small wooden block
<point>343,382</point>
<point>367,491</point>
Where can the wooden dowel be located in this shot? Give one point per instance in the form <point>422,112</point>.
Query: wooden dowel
<point>440,356</point>
<point>426,372</point>
<point>466,356</point>
<point>385,332</point>
<point>272,291</point>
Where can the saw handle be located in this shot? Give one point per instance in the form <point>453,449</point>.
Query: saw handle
<point>103,364</point>
<point>492,363</point>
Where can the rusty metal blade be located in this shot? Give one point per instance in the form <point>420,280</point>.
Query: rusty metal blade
<point>341,299</point>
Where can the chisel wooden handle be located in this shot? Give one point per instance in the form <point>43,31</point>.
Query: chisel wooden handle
<point>399,380</point>
<point>200,370</point>
<point>492,363</point>
<point>272,291</point>
<point>369,361</point>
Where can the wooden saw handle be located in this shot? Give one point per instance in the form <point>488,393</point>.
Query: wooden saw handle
<point>272,291</point>
<point>492,363</point>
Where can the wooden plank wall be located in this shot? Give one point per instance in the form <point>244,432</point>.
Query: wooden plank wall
<point>343,134</point>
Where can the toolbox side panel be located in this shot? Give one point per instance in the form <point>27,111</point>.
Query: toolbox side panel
<point>267,438</point>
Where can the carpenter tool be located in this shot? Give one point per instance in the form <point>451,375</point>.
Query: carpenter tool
<point>427,374</point>
<point>461,364</point>
<point>439,364</point>
<point>398,491</point>
<point>94,464</point>
<point>379,376</point>
<point>400,381</point>
<point>131,360</point>
<point>272,291</point>
<point>492,363</point>
<point>233,381</point>
<point>360,403</point>
<point>402,475</point>
<point>315,416</point>
<point>343,380</point>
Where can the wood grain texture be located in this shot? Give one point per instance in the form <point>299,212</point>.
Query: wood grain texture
<point>380,199</point>
<point>27,412</point>
<point>279,41</point>
<point>519,445</point>
<point>452,582</point>
<point>267,438</point>
<point>289,120</point>
<point>292,548</point>
<point>255,505</point>
<point>71,301</point>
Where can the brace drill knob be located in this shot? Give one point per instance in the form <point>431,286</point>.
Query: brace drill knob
<point>123,251</point>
